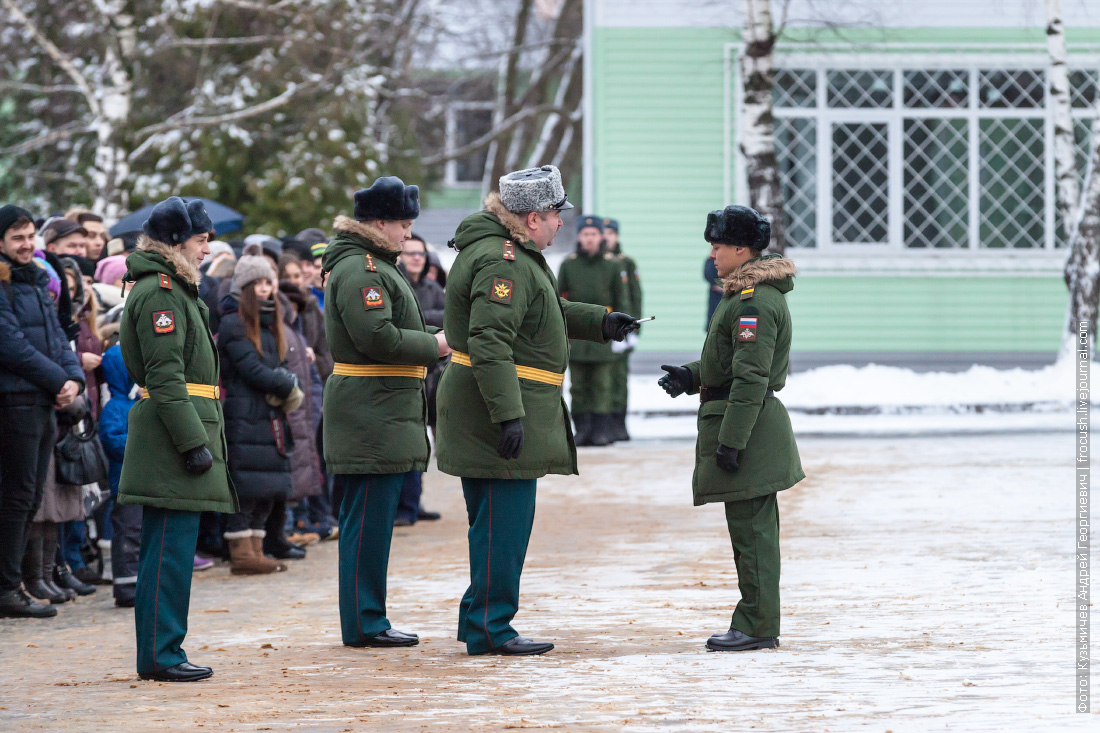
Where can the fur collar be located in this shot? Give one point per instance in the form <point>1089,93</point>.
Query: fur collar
<point>5,272</point>
<point>758,271</point>
<point>511,221</point>
<point>367,232</point>
<point>184,269</point>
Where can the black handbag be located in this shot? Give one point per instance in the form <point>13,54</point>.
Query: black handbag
<point>79,456</point>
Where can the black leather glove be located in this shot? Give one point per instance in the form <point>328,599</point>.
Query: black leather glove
<point>198,460</point>
<point>616,326</point>
<point>677,381</point>
<point>727,458</point>
<point>511,439</point>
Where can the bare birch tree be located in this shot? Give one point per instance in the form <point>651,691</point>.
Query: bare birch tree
<point>756,122</point>
<point>1078,200</point>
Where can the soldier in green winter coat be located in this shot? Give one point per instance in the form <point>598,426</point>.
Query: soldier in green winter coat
<point>174,464</point>
<point>374,404</point>
<point>592,275</point>
<point>620,373</point>
<point>746,451</point>
<point>502,421</point>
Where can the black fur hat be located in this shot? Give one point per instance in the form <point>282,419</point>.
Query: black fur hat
<point>174,221</point>
<point>739,226</point>
<point>388,199</point>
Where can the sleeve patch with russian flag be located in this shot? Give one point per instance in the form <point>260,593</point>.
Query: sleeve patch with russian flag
<point>746,328</point>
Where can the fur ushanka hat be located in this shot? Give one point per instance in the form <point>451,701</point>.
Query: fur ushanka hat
<point>533,189</point>
<point>388,199</point>
<point>174,221</point>
<point>738,226</point>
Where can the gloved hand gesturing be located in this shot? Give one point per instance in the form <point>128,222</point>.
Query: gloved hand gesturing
<point>726,458</point>
<point>511,439</point>
<point>677,381</point>
<point>616,326</point>
<point>198,460</point>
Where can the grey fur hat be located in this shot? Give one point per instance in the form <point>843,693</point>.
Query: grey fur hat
<point>252,266</point>
<point>533,189</point>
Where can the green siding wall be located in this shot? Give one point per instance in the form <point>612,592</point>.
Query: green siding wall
<point>659,168</point>
<point>927,313</point>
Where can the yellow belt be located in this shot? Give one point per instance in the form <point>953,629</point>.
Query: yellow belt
<point>379,370</point>
<point>523,372</point>
<point>210,391</point>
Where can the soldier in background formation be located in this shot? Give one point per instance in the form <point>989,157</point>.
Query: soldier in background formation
<point>592,275</point>
<point>620,371</point>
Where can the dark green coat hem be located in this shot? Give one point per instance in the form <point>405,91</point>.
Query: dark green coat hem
<point>772,488</point>
<point>480,472</point>
<point>373,468</point>
<point>180,505</point>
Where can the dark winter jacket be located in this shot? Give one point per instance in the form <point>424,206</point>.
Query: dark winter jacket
<point>35,356</point>
<point>305,462</point>
<point>260,443</point>
<point>431,296</point>
<point>115,416</point>
<point>311,324</point>
<point>88,343</point>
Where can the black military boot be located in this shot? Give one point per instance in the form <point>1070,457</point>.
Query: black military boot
<point>601,429</point>
<point>582,435</point>
<point>736,641</point>
<point>17,604</point>
<point>618,432</point>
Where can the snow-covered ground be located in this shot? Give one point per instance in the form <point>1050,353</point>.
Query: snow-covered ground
<point>882,400</point>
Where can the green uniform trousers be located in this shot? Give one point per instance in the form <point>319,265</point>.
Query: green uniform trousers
<point>166,561</point>
<point>501,512</point>
<point>590,387</point>
<point>754,531</point>
<point>620,379</point>
<point>366,527</point>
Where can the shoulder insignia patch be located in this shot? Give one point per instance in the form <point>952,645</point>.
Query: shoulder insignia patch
<point>746,328</point>
<point>368,263</point>
<point>372,297</point>
<point>502,291</point>
<point>509,251</point>
<point>748,292</point>
<point>165,281</point>
<point>625,276</point>
<point>164,321</point>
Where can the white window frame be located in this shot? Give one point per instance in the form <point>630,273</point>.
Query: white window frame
<point>450,171</point>
<point>893,257</point>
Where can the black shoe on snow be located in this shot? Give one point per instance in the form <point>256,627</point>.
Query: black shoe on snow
<point>735,641</point>
<point>388,638</point>
<point>521,646</point>
<point>182,672</point>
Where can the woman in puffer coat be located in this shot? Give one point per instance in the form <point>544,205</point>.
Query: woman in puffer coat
<point>253,346</point>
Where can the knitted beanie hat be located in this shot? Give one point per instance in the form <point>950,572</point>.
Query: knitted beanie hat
<point>252,266</point>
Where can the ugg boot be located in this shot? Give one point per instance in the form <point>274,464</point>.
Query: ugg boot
<point>242,557</point>
<point>258,550</point>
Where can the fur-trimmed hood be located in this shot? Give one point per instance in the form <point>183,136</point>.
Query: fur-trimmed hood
<point>369,233</point>
<point>772,268</point>
<point>173,256</point>
<point>512,222</point>
<point>5,272</point>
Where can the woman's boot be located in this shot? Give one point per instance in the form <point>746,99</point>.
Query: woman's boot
<point>258,548</point>
<point>33,578</point>
<point>275,542</point>
<point>242,557</point>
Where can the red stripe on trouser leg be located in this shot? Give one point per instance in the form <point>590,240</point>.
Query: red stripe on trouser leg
<point>156,596</point>
<point>359,554</point>
<point>489,567</point>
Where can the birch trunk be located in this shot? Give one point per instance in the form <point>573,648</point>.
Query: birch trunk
<point>1078,204</point>
<point>112,159</point>
<point>756,122</point>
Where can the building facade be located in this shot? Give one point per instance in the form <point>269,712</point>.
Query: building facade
<point>915,150</point>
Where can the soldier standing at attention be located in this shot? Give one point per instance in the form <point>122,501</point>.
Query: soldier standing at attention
<point>592,275</point>
<point>375,410</point>
<point>746,451</point>
<point>620,373</point>
<point>174,466</point>
<point>510,333</point>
